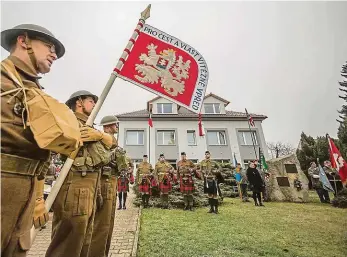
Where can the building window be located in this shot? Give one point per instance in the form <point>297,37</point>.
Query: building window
<point>216,137</point>
<point>173,163</point>
<point>246,137</point>
<point>246,163</point>
<point>134,137</point>
<point>222,160</point>
<point>164,108</point>
<point>166,137</point>
<point>212,108</point>
<point>191,137</point>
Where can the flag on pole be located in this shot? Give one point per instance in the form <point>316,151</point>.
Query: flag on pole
<point>337,161</point>
<point>250,119</point>
<point>150,121</point>
<point>165,66</point>
<point>263,162</point>
<point>201,127</point>
<point>324,179</point>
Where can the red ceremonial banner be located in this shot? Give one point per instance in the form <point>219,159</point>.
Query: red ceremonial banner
<point>168,67</point>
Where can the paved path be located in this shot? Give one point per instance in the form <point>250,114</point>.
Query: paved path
<point>124,237</point>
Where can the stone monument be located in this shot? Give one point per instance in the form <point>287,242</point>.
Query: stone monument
<point>287,182</point>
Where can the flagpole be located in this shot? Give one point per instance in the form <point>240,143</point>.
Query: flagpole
<point>250,130</point>
<point>69,161</point>
<point>149,144</point>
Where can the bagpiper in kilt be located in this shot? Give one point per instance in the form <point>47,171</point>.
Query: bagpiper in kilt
<point>125,177</point>
<point>210,170</point>
<point>145,180</point>
<point>185,171</point>
<point>164,173</point>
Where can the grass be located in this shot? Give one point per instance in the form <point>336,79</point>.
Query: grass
<point>241,229</point>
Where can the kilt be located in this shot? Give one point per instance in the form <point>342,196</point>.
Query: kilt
<point>187,185</point>
<point>165,188</point>
<point>212,186</point>
<point>123,184</point>
<point>145,187</point>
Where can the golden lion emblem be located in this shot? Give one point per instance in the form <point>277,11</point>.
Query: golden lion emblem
<point>164,68</point>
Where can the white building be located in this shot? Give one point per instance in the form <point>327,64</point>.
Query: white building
<point>175,130</point>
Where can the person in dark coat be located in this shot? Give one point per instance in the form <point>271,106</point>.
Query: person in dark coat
<point>256,183</point>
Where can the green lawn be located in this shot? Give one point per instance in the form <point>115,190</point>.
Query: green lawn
<point>241,229</point>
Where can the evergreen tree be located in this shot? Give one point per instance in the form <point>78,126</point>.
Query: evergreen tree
<point>343,89</point>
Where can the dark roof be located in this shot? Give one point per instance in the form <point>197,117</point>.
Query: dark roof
<point>184,114</point>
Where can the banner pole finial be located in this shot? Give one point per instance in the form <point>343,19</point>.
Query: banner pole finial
<point>146,13</point>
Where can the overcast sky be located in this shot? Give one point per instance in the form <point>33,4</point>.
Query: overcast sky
<point>281,59</point>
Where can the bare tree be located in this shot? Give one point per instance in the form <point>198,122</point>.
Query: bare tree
<point>280,149</point>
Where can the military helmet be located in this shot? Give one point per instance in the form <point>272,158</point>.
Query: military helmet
<point>78,94</point>
<point>7,36</point>
<point>108,120</point>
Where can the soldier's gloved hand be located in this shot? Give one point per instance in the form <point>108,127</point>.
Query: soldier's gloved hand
<point>89,134</point>
<point>99,201</point>
<point>40,217</point>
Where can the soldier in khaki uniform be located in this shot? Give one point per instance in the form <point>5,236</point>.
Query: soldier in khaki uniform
<point>164,172</point>
<point>106,199</point>
<point>32,49</point>
<point>210,170</point>
<point>118,164</point>
<point>144,180</point>
<point>74,207</point>
<point>185,171</point>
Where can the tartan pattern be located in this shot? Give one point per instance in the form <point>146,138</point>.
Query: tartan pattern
<point>212,187</point>
<point>187,186</point>
<point>123,184</point>
<point>165,189</point>
<point>144,186</point>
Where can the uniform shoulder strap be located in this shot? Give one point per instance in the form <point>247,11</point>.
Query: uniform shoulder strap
<point>9,69</point>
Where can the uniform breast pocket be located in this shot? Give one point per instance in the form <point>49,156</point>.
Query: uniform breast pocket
<point>107,193</point>
<point>81,201</point>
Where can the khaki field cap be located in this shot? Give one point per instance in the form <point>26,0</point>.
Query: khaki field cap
<point>78,94</point>
<point>108,120</point>
<point>34,31</point>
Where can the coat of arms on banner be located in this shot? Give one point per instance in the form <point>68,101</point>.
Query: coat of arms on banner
<point>165,68</point>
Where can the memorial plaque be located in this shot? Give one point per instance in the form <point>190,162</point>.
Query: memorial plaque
<point>283,181</point>
<point>291,168</point>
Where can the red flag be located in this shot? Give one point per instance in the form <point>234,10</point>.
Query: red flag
<point>150,121</point>
<point>165,66</point>
<point>337,161</point>
<point>250,119</point>
<point>201,129</point>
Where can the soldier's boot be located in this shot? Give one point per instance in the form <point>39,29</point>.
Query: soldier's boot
<point>166,201</point>
<point>162,201</point>
<point>215,206</point>
<point>120,200</point>
<point>186,204</point>
<point>144,201</point>
<point>190,202</point>
<point>210,201</point>
<point>124,200</point>
<point>147,200</point>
